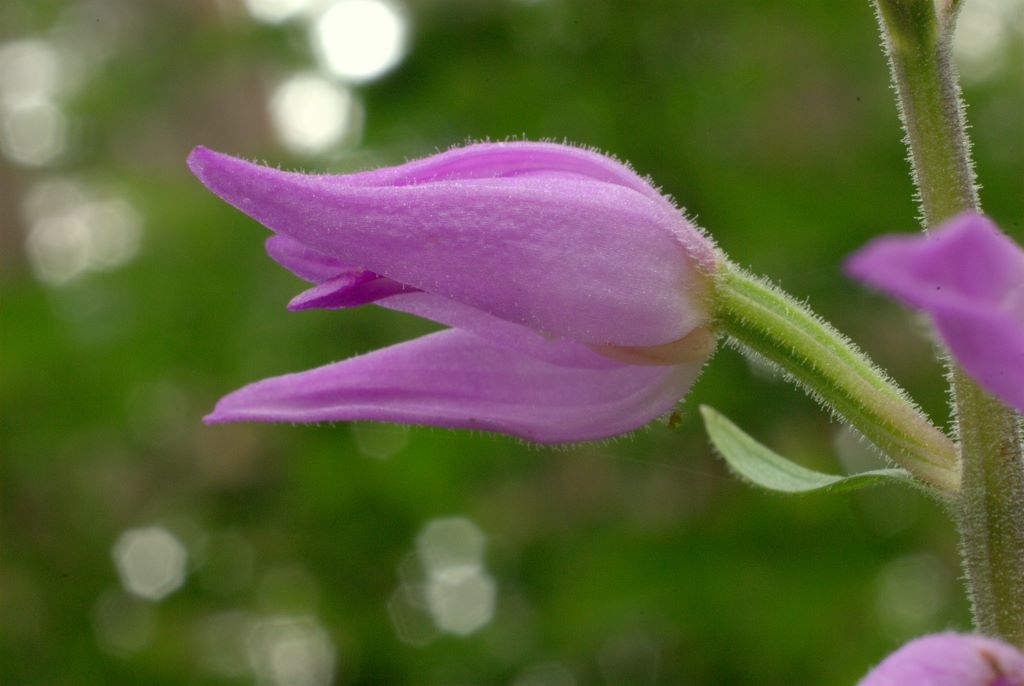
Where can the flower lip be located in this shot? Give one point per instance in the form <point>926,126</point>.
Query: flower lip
<point>350,288</point>
<point>558,239</point>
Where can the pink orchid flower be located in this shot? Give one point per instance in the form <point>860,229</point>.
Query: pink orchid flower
<point>969,276</point>
<point>950,659</point>
<point>575,292</point>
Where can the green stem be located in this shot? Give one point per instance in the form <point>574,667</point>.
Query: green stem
<point>991,510</point>
<point>990,506</point>
<point>762,319</point>
<point>918,46</point>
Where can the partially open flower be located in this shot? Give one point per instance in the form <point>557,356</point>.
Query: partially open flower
<point>575,291</point>
<point>969,276</point>
<point>950,659</point>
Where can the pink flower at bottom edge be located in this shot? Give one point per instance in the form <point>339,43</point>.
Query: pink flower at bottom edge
<point>950,659</point>
<point>575,291</point>
<point>969,276</point>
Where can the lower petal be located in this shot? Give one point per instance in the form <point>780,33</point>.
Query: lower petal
<point>456,379</point>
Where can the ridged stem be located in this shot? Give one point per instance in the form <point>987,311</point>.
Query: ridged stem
<point>763,320</point>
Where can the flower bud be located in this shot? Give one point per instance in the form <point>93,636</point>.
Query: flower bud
<point>575,291</point>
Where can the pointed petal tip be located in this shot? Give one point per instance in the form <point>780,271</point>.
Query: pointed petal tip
<point>301,302</point>
<point>216,169</point>
<point>197,159</point>
<point>322,296</point>
<point>228,409</point>
<point>228,415</point>
<point>215,417</point>
<point>351,288</point>
<point>208,165</point>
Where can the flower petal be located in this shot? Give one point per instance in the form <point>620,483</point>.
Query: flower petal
<point>567,255</point>
<point>950,659</point>
<point>305,262</point>
<point>350,288</point>
<point>969,277</point>
<point>455,379</point>
<point>337,284</point>
<point>515,159</point>
<point>558,351</point>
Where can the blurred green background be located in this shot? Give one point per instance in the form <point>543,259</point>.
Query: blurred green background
<point>141,547</point>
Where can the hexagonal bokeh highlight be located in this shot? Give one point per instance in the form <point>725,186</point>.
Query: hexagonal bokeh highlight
<point>150,562</point>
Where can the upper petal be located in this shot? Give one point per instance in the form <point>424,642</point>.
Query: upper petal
<point>514,159</point>
<point>455,379</point>
<point>969,277</point>
<point>567,255</point>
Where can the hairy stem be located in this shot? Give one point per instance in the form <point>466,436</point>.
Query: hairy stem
<point>917,36</point>
<point>917,43</point>
<point>991,504</point>
<point>766,321</point>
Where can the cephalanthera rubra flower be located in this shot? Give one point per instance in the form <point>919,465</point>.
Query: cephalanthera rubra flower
<point>576,293</point>
<point>950,659</point>
<point>969,276</point>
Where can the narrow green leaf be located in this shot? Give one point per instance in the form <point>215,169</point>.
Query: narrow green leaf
<point>763,467</point>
